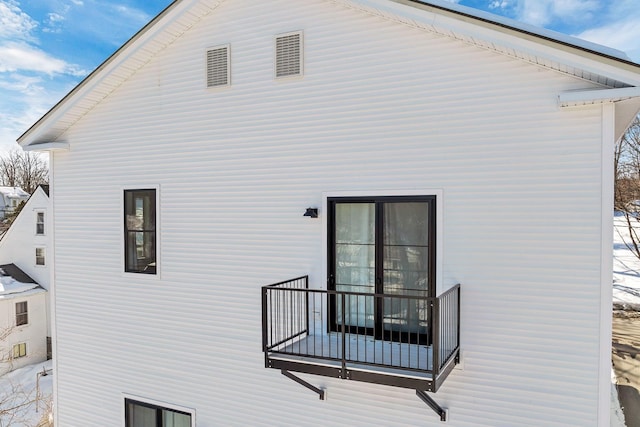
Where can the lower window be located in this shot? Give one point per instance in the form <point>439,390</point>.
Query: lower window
<point>19,350</point>
<point>142,414</point>
<point>40,256</point>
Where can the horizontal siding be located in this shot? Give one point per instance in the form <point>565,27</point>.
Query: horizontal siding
<point>382,107</point>
<point>18,245</point>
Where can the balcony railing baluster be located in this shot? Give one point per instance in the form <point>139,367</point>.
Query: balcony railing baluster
<point>296,324</point>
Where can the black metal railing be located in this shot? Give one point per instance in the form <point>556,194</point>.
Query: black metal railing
<point>408,334</point>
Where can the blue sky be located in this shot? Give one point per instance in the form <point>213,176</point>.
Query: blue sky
<point>48,46</point>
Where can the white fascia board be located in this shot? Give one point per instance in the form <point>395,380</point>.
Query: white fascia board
<point>170,14</point>
<point>600,96</point>
<point>48,146</point>
<point>468,13</point>
<point>541,49</point>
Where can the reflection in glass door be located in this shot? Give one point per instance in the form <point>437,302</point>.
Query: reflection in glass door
<point>354,264</point>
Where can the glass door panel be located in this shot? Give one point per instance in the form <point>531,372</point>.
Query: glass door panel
<point>405,266</point>
<point>355,256</point>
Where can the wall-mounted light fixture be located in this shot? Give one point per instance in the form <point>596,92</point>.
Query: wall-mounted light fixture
<point>311,213</point>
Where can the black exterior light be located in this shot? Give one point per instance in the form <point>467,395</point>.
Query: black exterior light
<point>311,213</point>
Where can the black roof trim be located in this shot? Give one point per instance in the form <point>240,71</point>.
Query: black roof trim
<point>420,3</point>
<point>15,272</point>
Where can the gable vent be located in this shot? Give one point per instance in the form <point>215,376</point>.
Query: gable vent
<point>218,67</point>
<point>289,55</point>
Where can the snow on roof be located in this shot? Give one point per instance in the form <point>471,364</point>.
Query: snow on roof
<point>14,192</point>
<point>11,287</point>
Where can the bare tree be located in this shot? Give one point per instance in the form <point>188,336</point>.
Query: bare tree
<point>23,169</point>
<point>627,184</point>
<point>17,401</point>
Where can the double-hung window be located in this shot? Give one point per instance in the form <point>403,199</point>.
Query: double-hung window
<point>22,313</point>
<point>140,231</point>
<point>143,414</point>
<point>40,257</point>
<point>40,223</point>
<point>19,350</point>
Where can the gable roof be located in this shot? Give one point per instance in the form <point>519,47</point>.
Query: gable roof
<point>598,64</point>
<point>45,190</point>
<point>15,283</point>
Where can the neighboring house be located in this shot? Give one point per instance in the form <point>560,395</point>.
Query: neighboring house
<point>10,199</point>
<point>427,144</point>
<point>23,324</point>
<point>26,244</point>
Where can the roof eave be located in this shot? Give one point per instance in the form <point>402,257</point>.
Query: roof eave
<point>565,43</point>
<point>622,72</point>
<point>102,67</point>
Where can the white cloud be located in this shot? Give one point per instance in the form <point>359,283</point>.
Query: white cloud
<point>27,85</point>
<point>135,17</point>
<point>622,35</point>
<point>53,23</point>
<point>498,4</point>
<point>21,56</point>
<point>14,23</point>
<point>18,56</point>
<point>542,12</point>
<point>54,18</point>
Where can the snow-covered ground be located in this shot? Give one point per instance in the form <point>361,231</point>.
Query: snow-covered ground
<point>626,289</point>
<point>626,266</point>
<point>27,390</point>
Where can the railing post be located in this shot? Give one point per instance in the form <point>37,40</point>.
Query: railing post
<point>342,329</point>
<point>458,321</point>
<point>264,327</point>
<point>435,312</point>
<point>306,297</point>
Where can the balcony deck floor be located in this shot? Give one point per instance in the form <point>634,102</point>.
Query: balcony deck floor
<point>362,351</point>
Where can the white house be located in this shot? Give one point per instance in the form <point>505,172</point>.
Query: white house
<point>23,325</point>
<point>26,244</point>
<point>380,152</point>
<point>10,199</point>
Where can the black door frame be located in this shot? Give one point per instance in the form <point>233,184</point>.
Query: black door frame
<point>378,331</point>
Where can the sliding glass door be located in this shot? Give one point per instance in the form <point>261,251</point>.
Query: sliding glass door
<point>382,254</point>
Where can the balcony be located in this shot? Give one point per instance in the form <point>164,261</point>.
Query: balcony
<point>415,344</point>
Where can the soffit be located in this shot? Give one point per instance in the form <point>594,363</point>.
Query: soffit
<point>593,63</point>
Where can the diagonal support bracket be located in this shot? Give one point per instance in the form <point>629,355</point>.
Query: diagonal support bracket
<point>321,393</point>
<point>432,404</point>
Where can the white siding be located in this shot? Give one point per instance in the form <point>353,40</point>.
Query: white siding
<point>382,107</point>
<point>33,334</point>
<point>18,244</point>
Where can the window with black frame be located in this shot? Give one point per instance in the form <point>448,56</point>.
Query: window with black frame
<point>140,231</point>
<point>142,414</point>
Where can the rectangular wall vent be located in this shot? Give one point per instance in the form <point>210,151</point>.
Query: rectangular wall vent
<point>218,69</point>
<point>289,55</point>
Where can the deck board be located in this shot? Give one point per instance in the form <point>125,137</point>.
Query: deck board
<point>360,350</point>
